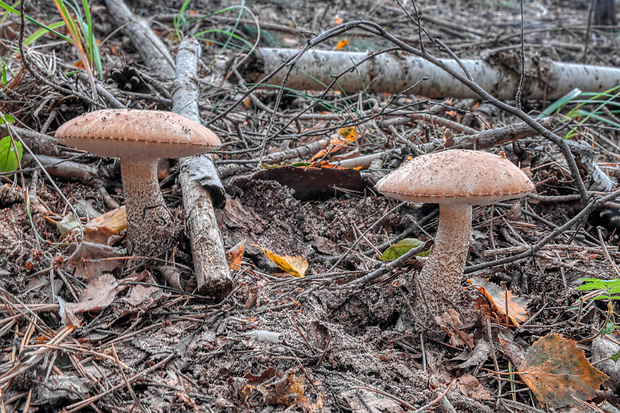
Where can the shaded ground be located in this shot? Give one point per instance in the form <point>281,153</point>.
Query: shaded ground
<point>317,343</point>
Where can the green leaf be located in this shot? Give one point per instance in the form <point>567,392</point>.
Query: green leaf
<point>10,154</point>
<point>68,223</point>
<point>592,284</point>
<point>401,248</point>
<point>616,357</point>
<point>6,119</point>
<point>609,328</point>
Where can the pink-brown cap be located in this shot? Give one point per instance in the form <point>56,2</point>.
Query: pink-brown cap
<point>456,176</point>
<point>137,133</point>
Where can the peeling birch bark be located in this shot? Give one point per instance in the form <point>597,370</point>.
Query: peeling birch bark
<point>209,256</point>
<point>152,49</point>
<point>394,73</point>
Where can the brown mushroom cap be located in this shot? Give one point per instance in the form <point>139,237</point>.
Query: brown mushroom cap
<point>137,133</point>
<point>456,176</point>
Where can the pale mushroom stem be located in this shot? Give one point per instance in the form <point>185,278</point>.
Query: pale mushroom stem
<point>441,275</point>
<point>149,222</point>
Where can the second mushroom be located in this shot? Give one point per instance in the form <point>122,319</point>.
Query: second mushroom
<point>456,180</point>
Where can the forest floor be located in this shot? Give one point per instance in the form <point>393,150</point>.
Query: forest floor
<point>83,327</point>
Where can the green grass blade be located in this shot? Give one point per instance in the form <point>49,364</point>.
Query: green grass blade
<point>42,32</point>
<point>31,20</point>
<point>560,103</point>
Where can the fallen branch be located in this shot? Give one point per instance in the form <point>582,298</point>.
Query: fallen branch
<point>459,73</point>
<point>38,142</point>
<point>209,256</point>
<point>274,158</point>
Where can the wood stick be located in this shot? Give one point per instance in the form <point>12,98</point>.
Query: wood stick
<point>210,265</point>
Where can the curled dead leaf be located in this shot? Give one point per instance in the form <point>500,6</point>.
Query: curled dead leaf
<point>106,227</point>
<point>516,308</point>
<point>234,256</point>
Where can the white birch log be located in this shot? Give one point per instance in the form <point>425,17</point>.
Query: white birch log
<point>394,73</point>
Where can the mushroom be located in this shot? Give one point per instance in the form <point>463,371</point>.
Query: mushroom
<point>456,180</point>
<point>139,138</point>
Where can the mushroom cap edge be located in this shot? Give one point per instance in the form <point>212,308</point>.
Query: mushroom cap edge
<point>138,133</point>
<point>456,176</point>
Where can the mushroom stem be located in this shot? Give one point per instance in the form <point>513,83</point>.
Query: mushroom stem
<point>441,275</point>
<point>149,222</point>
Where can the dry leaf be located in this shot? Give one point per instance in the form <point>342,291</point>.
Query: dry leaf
<point>469,386</point>
<point>450,322</point>
<point>477,357</point>
<point>311,183</point>
<point>511,349</point>
<point>517,306</point>
<point>295,266</point>
<point>94,259</point>
<point>99,230</point>
<point>172,275</point>
<point>557,372</point>
<point>98,294</point>
<point>234,256</point>
<point>141,297</point>
<point>274,387</point>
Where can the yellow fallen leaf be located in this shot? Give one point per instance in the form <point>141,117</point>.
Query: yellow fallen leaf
<point>296,266</point>
<point>348,133</point>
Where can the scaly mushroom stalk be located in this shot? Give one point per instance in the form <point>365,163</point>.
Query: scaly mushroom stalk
<point>149,222</point>
<point>446,261</point>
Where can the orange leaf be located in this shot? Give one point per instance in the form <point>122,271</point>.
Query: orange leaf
<point>100,229</point>
<point>517,306</point>
<point>296,266</point>
<point>319,154</point>
<point>557,372</point>
<point>234,256</point>
<point>341,44</point>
